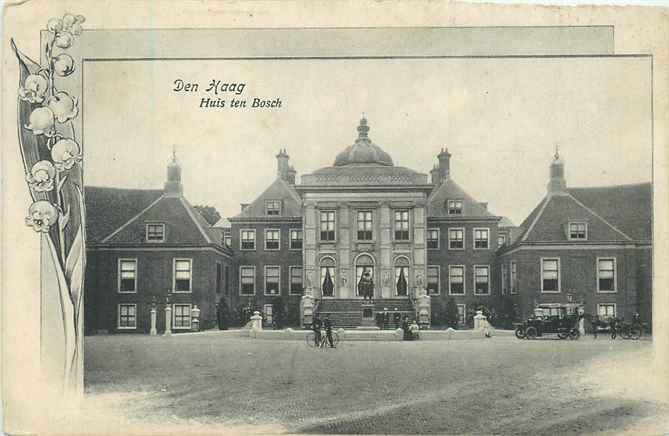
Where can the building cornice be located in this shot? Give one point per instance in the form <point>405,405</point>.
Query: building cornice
<point>158,247</point>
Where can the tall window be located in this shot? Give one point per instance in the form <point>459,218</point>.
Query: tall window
<point>327,225</point>
<point>364,225</point>
<point>127,275</point>
<point>504,279</point>
<point>219,277</point>
<point>433,239</point>
<point>247,280</point>
<point>127,316</point>
<point>578,231</point>
<point>401,277</point>
<point>455,207</point>
<point>227,238</point>
<point>462,313</point>
<point>182,275</point>
<point>296,284</point>
<point>328,277</point>
<point>481,237</point>
<point>272,239</point>
<point>456,239</point>
<point>273,207</point>
<point>268,311</point>
<point>456,280</point>
<point>155,232</point>
<point>296,239</point>
<point>501,240</point>
<point>182,316</point>
<point>481,279</point>
<point>606,310</point>
<point>227,279</point>
<point>401,225</point>
<point>272,279</point>
<point>606,274</point>
<point>248,240</point>
<point>514,277</point>
<point>550,275</point>
<point>433,280</point>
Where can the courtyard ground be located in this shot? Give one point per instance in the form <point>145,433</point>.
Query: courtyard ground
<point>202,382</point>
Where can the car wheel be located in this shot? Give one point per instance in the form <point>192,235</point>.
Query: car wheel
<point>635,332</point>
<point>531,332</point>
<point>563,335</point>
<point>574,334</point>
<point>520,333</point>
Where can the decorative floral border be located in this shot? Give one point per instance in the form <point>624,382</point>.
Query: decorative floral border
<point>52,159</point>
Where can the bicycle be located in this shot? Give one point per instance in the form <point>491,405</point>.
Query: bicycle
<point>310,339</point>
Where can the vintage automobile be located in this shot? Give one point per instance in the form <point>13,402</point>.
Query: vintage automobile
<point>560,319</point>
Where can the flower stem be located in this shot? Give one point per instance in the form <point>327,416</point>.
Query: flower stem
<point>61,230</point>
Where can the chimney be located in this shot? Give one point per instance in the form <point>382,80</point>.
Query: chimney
<point>444,164</point>
<point>434,175</point>
<point>557,184</point>
<point>173,186</point>
<point>282,164</point>
<point>244,206</point>
<point>484,205</point>
<point>291,175</point>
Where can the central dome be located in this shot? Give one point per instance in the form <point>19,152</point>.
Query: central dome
<point>363,151</point>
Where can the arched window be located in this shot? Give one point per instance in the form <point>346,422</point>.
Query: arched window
<point>328,276</point>
<point>402,276</point>
<point>364,276</point>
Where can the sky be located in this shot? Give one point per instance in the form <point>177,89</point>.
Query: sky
<point>501,119</point>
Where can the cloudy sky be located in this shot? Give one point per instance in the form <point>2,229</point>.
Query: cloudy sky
<point>500,119</point>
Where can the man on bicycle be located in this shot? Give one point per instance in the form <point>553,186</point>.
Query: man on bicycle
<point>316,326</point>
<point>328,330</point>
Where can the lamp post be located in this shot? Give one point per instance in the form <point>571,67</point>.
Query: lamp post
<point>153,331</point>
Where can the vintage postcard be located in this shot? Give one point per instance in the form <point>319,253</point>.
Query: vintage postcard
<point>334,218</point>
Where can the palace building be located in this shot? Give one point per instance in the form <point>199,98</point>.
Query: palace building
<point>421,248</point>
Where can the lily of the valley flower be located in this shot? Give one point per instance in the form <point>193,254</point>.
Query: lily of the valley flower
<point>41,216</point>
<point>63,106</point>
<point>65,153</point>
<point>41,177</point>
<point>41,121</point>
<point>34,88</point>
<point>63,65</point>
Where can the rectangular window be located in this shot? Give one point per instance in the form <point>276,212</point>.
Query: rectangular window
<point>127,316</point>
<point>607,310</point>
<point>272,239</point>
<point>514,278</point>
<point>401,225</point>
<point>433,280</point>
<point>455,207</point>
<point>327,225</point>
<point>364,225</point>
<point>578,231</point>
<point>227,279</point>
<point>481,237</point>
<point>606,274</point>
<point>501,240</point>
<point>432,239</point>
<point>296,239</point>
<point>456,239</point>
<point>504,279</point>
<point>127,275</point>
<point>219,277</point>
<point>273,207</point>
<point>272,279</point>
<point>267,311</point>
<point>182,275</point>
<point>462,313</point>
<point>296,286</point>
<point>247,280</point>
<point>481,280</point>
<point>155,232</point>
<point>456,280</point>
<point>550,275</point>
<point>227,238</point>
<point>247,239</point>
<point>181,316</point>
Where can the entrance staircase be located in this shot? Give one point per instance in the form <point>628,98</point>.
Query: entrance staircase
<point>348,313</point>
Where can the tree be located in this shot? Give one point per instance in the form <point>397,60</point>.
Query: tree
<point>209,213</point>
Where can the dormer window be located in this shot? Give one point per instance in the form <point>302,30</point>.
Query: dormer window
<point>578,231</point>
<point>272,207</point>
<point>155,232</point>
<point>455,207</point>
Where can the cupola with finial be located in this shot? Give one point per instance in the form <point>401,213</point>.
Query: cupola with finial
<point>173,184</point>
<point>557,183</point>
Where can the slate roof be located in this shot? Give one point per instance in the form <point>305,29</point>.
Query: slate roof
<point>613,213</point>
<point>291,203</point>
<point>449,190</point>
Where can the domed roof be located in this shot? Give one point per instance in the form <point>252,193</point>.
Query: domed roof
<point>363,151</point>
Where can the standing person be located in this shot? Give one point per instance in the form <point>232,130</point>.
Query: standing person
<point>413,330</point>
<point>316,326</point>
<point>366,285</point>
<point>328,330</point>
<point>405,328</point>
